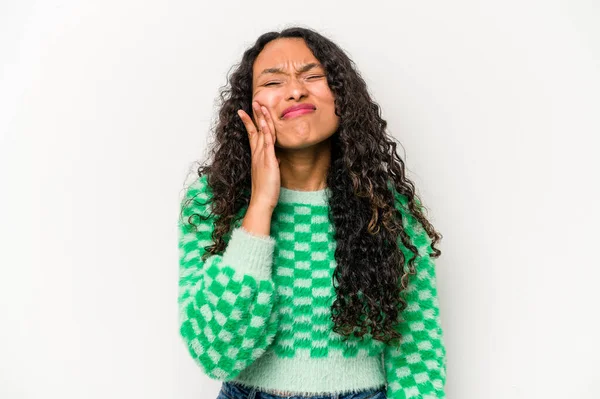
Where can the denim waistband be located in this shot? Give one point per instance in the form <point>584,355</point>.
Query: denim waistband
<point>235,390</point>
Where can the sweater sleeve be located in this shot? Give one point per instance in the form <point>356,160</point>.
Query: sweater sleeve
<point>417,368</point>
<point>226,317</point>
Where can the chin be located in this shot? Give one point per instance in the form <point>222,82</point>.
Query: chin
<point>299,144</point>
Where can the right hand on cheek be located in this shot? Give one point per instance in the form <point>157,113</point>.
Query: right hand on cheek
<point>266,180</point>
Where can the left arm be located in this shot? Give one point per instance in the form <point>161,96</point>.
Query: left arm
<point>417,369</point>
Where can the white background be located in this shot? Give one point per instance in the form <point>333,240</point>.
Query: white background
<point>106,105</point>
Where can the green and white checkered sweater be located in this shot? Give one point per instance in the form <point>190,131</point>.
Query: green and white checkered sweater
<point>259,314</point>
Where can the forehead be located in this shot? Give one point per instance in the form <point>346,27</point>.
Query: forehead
<point>283,53</point>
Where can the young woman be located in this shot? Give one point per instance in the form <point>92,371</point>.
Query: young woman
<point>306,260</point>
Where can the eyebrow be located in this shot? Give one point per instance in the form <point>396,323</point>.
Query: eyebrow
<point>303,68</point>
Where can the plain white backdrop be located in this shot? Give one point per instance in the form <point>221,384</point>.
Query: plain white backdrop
<point>106,105</point>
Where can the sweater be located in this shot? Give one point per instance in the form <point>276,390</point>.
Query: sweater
<point>259,313</point>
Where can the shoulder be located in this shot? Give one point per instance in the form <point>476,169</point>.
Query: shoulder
<point>411,224</point>
<point>196,198</point>
<point>197,185</point>
<point>401,203</point>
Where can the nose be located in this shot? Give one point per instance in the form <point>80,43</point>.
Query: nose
<point>296,89</point>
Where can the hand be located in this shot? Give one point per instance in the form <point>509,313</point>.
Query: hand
<point>261,112</point>
<point>266,180</point>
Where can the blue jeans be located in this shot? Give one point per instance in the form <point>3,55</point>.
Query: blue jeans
<point>231,390</point>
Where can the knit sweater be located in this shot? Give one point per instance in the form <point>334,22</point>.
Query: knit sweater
<point>259,313</point>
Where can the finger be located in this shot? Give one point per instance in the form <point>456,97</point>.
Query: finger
<point>250,128</point>
<point>248,122</point>
<point>264,128</point>
<point>270,122</point>
<point>266,133</point>
<point>258,115</point>
<point>268,143</point>
<point>259,144</point>
<point>261,123</point>
<point>270,157</point>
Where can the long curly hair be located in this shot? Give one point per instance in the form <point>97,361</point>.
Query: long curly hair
<point>365,170</point>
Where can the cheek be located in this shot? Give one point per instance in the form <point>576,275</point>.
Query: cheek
<point>325,96</point>
<point>267,98</point>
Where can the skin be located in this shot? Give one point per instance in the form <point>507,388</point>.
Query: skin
<point>302,143</point>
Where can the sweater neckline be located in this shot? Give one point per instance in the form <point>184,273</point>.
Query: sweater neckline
<point>316,197</point>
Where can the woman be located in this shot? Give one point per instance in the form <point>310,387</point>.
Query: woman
<point>306,262</point>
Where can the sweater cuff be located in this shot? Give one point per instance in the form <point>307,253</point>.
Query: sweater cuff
<point>250,254</point>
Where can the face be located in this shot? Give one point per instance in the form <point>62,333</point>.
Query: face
<point>286,73</point>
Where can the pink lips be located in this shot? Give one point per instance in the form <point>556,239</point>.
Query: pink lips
<point>298,109</point>
<point>299,112</point>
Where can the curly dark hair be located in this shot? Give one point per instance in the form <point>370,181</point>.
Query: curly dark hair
<point>366,178</point>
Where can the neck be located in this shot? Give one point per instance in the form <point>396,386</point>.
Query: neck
<point>305,169</point>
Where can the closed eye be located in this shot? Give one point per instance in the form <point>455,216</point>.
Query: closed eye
<point>310,77</point>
